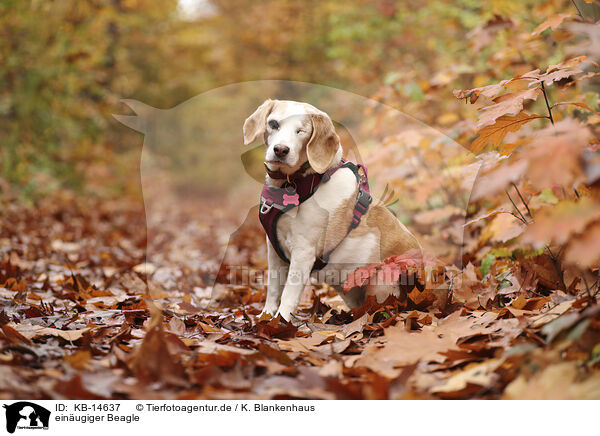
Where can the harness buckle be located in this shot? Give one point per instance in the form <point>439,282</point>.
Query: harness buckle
<point>363,199</point>
<point>265,208</point>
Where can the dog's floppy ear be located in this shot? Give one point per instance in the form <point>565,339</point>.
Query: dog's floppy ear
<point>255,124</point>
<point>323,143</point>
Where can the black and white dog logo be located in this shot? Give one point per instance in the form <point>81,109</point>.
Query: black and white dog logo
<point>26,415</point>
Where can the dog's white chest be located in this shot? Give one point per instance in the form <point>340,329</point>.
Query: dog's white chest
<point>307,224</point>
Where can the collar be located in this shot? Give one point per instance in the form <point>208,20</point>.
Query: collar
<point>279,175</point>
<point>295,189</point>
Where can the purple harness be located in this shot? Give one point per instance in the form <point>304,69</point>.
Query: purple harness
<point>274,202</point>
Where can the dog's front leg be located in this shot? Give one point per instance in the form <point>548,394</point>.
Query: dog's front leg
<point>300,266</point>
<point>277,276</point>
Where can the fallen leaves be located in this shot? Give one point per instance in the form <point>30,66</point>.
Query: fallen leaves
<point>399,348</point>
<point>67,335</point>
<point>79,359</point>
<point>407,270</point>
<point>472,380</point>
<point>13,336</point>
<point>74,336</point>
<point>152,362</point>
<point>558,381</point>
<point>502,228</point>
<point>275,328</point>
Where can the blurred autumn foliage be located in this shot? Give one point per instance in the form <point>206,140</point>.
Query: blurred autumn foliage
<point>66,65</point>
<point>516,312</point>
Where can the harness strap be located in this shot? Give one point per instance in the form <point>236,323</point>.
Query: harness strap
<point>274,202</point>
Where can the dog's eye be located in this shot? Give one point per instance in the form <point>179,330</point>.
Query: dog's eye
<point>299,132</point>
<point>274,125</point>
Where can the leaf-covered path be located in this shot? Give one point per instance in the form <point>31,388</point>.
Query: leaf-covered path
<point>77,322</point>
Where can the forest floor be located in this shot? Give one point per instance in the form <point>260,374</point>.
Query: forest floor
<point>79,321</point>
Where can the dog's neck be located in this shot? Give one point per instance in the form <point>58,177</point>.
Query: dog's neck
<point>278,178</point>
<point>302,171</point>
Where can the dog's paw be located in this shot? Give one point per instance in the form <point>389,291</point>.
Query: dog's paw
<point>285,314</point>
<point>267,313</point>
<point>264,316</point>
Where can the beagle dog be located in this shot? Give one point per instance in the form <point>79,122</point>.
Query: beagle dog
<point>316,233</point>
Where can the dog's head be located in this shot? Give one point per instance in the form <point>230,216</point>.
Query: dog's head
<point>294,133</point>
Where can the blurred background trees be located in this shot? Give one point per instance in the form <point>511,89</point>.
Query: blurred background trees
<point>66,64</point>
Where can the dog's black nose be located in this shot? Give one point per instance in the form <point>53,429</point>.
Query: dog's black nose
<point>281,150</point>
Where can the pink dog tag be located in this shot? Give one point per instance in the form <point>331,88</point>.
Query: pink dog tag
<point>291,199</point>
